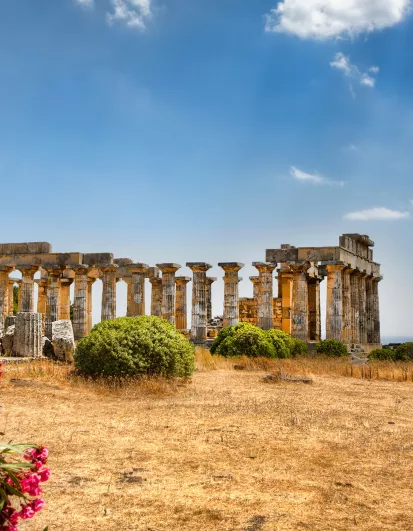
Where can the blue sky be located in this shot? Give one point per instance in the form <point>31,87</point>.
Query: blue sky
<point>178,130</point>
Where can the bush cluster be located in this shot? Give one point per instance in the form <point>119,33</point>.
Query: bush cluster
<point>333,348</point>
<point>245,339</point>
<point>401,353</point>
<point>134,346</point>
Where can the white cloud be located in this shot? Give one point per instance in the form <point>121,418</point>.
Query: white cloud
<point>134,13</point>
<point>377,214</point>
<point>85,3</point>
<point>312,178</point>
<point>323,19</point>
<point>342,62</point>
<point>351,147</point>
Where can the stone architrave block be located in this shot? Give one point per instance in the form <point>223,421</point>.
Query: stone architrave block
<point>8,341</point>
<point>28,335</point>
<point>63,340</point>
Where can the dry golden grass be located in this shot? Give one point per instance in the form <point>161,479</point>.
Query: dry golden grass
<point>224,451</point>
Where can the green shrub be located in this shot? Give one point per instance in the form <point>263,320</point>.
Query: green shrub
<point>299,348</point>
<point>383,354</point>
<point>404,352</point>
<point>332,348</point>
<point>133,346</point>
<point>283,343</point>
<point>243,339</point>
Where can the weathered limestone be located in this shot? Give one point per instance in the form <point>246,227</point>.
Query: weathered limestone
<point>334,324</point>
<point>168,290</point>
<point>90,282</point>
<point>299,301</point>
<point>376,311</point>
<point>209,282</point>
<point>181,304</point>
<point>231,292</point>
<point>27,288</point>
<point>363,308</point>
<point>4,293</point>
<point>314,309</point>
<point>199,328</point>
<point>80,302</point>
<point>10,301</point>
<point>53,296</point>
<point>348,333</point>
<point>285,277</point>
<point>369,309</point>
<point>255,286</point>
<point>136,298</point>
<point>65,284</point>
<point>41,296</point>
<point>109,292</point>
<point>265,305</point>
<point>63,340</point>
<point>28,335</point>
<point>355,306</point>
<point>8,340</point>
<point>156,296</point>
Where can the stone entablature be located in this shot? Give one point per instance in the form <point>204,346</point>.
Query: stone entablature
<point>353,314</point>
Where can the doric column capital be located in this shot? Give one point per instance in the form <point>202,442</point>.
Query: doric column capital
<point>255,280</point>
<point>67,281</point>
<point>153,272</point>
<point>265,267</point>
<point>334,267</point>
<point>168,268</point>
<point>138,268</point>
<point>54,270</point>
<point>29,269</point>
<point>231,266</point>
<point>198,267</point>
<point>180,281</point>
<point>155,281</point>
<point>6,269</point>
<point>377,279</point>
<point>299,268</point>
<point>210,280</point>
<point>80,270</point>
<point>109,269</point>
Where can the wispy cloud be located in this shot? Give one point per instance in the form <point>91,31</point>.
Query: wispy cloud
<point>313,19</point>
<point>377,214</point>
<point>85,3</point>
<point>342,63</point>
<point>313,178</point>
<point>133,13</point>
<point>351,147</point>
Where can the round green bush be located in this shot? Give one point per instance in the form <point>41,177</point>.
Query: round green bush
<point>383,354</point>
<point>282,343</point>
<point>243,339</point>
<point>134,346</point>
<point>332,348</point>
<point>299,348</point>
<point>404,352</point>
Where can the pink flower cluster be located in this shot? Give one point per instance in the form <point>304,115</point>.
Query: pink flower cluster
<point>29,485</point>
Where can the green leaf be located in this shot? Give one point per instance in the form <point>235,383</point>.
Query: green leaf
<point>14,492</point>
<point>18,448</point>
<point>15,466</point>
<point>14,479</point>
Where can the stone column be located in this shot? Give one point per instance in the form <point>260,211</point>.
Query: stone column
<point>65,284</point>
<point>231,292</point>
<point>355,307</point>
<point>265,305</point>
<point>42,299</point>
<point>314,313</point>
<point>109,292</point>
<point>27,288</point>
<point>168,291</point>
<point>299,301</point>
<point>4,293</point>
<point>255,284</point>
<point>334,324</point>
<point>376,311</point>
<point>348,335</point>
<point>11,297</point>
<point>80,316</point>
<point>199,328</point>
<point>209,282</point>
<point>181,309</point>
<point>363,308</point>
<point>90,282</point>
<point>285,277</point>
<point>54,274</point>
<point>137,289</point>
<point>369,309</point>
<point>156,296</point>
<point>28,335</point>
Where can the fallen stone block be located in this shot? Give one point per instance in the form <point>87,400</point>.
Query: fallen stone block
<point>28,335</point>
<point>8,340</point>
<point>63,340</point>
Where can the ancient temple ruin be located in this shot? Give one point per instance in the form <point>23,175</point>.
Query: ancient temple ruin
<point>352,290</point>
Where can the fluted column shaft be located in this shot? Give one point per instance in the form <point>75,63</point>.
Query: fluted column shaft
<point>299,301</point>
<point>376,310</point>
<point>80,316</point>
<point>52,299</point>
<point>181,304</point>
<point>65,284</point>
<point>231,292</point>
<point>4,293</point>
<point>355,306</point>
<point>28,335</point>
<point>255,283</point>
<point>168,291</point>
<point>199,327</point>
<point>348,334</point>
<point>334,324</point>
<point>314,311</point>
<point>10,301</point>
<point>27,288</point>
<point>137,289</point>
<point>369,309</point>
<point>90,282</point>
<point>363,308</point>
<point>265,305</point>
<point>285,278</point>
<point>209,282</point>
<point>156,297</point>
<point>109,293</point>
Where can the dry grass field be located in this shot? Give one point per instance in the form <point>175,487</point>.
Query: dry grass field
<point>224,451</point>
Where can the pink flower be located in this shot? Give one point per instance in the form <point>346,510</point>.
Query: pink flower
<point>10,528</point>
<point>27,512</point>
<point>44,474</point>
<point>37,505</point>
